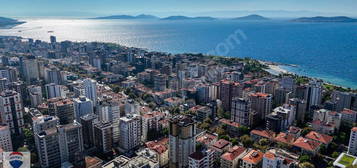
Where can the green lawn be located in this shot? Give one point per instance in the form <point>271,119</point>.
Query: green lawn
<point>346,160</point>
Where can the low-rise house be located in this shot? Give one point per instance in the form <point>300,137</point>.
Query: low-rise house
<point>318,137</point>
<point>259,134</point>
<point>220,147</point>
<point>207,139</point>
<point>285,138</point>
<point>253,159</point>
<point>233,157</point>
<point>277,158</point>
<point>307,146</point>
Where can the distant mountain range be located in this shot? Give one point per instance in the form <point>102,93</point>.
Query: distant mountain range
<point>142,16</point>
<point>325,19</point>
<point>251,18</point>
<point>179,17</point>
<point>9,22</point>
<point>188,18</point>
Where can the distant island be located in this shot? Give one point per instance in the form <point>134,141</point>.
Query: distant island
<point>188,18</point>
<point>251,18</point>
<point>142,16</point>
<point>9,22</point>
<point>325,19</point>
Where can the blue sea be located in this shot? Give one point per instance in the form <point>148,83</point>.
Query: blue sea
<point>323,50</point>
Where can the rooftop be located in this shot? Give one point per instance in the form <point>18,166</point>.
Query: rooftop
<point>229,122</point>
<point>182,120</point>
<point>325,139</point>
<point>253,157</point>
<point>206,138</point>
<point>307,144</point>
<point>233,153</point>
<point>220,144</point>
<point>285,138</point>
<point>263,133</point>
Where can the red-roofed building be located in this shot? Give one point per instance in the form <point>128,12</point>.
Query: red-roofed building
<point>231,158</point>
<point>160,148</point>
<point>307,146</point>
<point>232,127</point>
<point>258,134</point>
<point>253,159</point>
<point>277,158</point>
<point>285,138</point>
<point>220,147</point>
<point>322,138</point>
<point>207,139</point>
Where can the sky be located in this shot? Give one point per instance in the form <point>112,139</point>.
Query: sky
<point>220,8</point>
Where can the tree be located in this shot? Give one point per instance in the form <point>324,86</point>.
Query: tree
<point>29,138</point>
<point>342,138</point>
<point>220,112</point>
<point>246,140</point>
<point>304,158</point>
<point>207,120</point>
<point>335,154</point>
<point>263,142</point>
<point>305,131</point>
<point>306,165</point>
<point>204,126</point>
<point>199,147</point>
<point>234,141</point>
<point>323,149</point>
<point>220,131</point>
<point>282,145</point>
<point>243,130</point>
<point>225,137</point>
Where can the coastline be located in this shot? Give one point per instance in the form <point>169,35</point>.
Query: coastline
<point>277,69</point>
<point>10,25</point>
<point>274,68</point>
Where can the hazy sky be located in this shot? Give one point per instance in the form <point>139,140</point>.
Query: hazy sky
<point>21,8</point>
